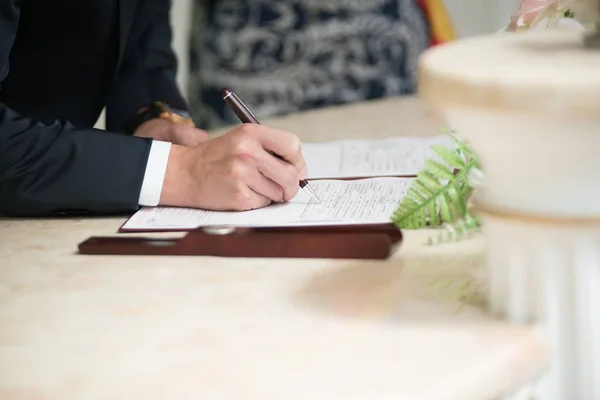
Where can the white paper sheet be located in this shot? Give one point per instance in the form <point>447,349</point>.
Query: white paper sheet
<point>362,201</point>
<point>402,156</point>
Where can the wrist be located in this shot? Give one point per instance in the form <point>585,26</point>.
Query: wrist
<point>178,182</point>
<point>157,110</point>
<point>158,129</point>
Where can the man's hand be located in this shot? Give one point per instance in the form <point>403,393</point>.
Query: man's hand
<point>235,171</point>
<point>167,131</point>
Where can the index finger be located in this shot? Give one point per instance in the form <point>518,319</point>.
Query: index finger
<point>283,144</point>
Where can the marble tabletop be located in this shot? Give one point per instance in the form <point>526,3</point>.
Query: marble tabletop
<point>75,327</point>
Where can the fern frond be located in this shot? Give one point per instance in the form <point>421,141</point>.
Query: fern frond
<point>440,192</point>
<point>464,149</point>
<point>461,229</point>
<point>451,157</point>
<point>458,198</point>
<point>438,169</point>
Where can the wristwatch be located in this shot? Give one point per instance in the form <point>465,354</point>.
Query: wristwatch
<point>157,109</point>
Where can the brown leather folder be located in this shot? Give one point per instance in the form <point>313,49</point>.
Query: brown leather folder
<point>337,242</point>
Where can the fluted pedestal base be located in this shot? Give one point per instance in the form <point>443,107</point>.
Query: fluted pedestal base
<point>547,272</point>
<point>527,104</point>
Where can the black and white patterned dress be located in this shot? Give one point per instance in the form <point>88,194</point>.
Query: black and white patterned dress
<point>282,56</point>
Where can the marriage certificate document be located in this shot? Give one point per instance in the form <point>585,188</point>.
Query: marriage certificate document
<point>343,202</point>
<point>396,156</point>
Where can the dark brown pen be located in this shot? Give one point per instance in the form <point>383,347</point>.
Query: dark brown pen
<point>246,116</point>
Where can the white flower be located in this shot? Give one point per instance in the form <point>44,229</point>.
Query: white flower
<point>475,178</point>
<point>566,23</point>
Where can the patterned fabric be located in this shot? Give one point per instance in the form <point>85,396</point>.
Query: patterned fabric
<point>282,56</point>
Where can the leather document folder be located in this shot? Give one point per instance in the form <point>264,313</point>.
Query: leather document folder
<point>359,184</point>
<point>334,242</point>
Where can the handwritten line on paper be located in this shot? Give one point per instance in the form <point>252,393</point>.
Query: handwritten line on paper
<point>363,201</point>
<point>399,156</point>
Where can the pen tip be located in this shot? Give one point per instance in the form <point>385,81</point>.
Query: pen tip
<point>312,193</point>
<point>225,92</point>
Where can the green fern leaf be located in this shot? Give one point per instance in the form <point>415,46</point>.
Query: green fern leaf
<point>421,188</point>
<point>462,229</point>
<point>428,179</point>
<point>449,156</point>
<point>410,203</point>
<point>440,192</point>
<point>432,214</point>
<point>446,207</point>
<point>416,195</point>
<point>438,169</point>
<point>458,200</point>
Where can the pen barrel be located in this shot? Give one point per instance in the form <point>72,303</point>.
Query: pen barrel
<point>240,109</point>
<point>245,116</point>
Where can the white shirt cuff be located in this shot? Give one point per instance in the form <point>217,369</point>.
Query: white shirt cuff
<point>155,173</point>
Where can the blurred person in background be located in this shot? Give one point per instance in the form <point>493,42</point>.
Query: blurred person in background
<point>283,56</point>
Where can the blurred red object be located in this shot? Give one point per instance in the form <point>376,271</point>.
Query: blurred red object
<point>441,28</point>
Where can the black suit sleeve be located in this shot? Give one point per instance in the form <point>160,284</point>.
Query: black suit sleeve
<point>148,70</point>
<point>56,168</point>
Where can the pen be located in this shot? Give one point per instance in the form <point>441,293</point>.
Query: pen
<point>246,116</point>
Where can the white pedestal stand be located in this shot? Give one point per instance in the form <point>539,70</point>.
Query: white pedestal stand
<point>529,105</point>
